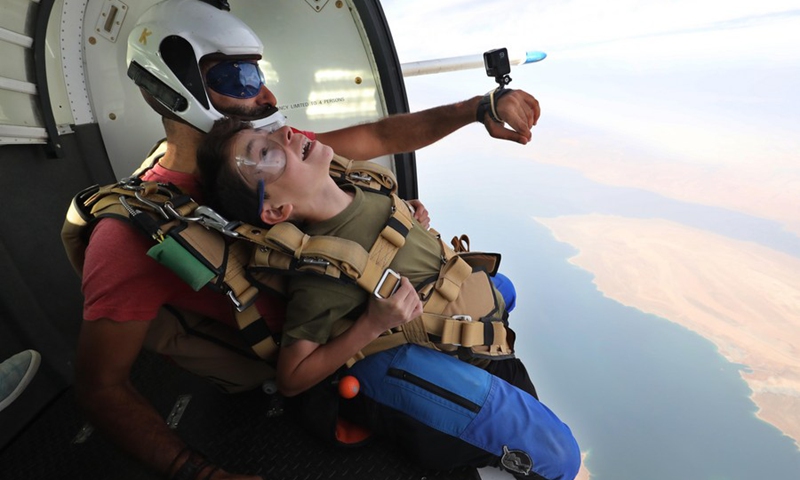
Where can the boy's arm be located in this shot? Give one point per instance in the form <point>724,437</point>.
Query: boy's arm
<point>304,363</point>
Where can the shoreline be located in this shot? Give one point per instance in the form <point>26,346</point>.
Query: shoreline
<point>743,299</point>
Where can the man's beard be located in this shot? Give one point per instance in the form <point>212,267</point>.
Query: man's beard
<point>254,113</point>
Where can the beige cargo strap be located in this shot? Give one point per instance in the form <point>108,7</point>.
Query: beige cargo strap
<point>283,244</point>
<point>364,174</point>
<point>285,247</point>
<point>444,290</point>
<point>460,244</point>
<point>460,330</point>
<point>377,277</point>
<point>457,330</point>
<point>256,333</point>
<point>454,330</point>
<point>227,257</point>
<point>210,245</point>
<point>147,197</point>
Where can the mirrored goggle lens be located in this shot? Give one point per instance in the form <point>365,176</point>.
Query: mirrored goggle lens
<point>235,79</point>
<point>266,165</point>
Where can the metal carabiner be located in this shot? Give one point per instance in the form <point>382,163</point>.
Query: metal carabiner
<point>207,217</point>
<point>158,208</point>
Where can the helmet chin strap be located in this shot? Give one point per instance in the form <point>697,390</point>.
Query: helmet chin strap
<point>270,123</point>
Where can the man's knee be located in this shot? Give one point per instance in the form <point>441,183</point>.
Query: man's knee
<point>224,362</point>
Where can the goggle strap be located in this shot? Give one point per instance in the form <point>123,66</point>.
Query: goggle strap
<point>260,197</point>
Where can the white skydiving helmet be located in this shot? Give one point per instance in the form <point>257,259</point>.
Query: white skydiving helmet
<point>164,52</point>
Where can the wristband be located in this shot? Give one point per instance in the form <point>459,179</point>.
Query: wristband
<point>191,467</point>
<point>211,473</point>
<point>488,104</point>
<point>175,460</point>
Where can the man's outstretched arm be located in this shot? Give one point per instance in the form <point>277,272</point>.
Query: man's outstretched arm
<point>411,131</point>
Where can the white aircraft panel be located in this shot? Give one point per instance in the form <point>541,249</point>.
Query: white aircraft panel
<point>315,62</point>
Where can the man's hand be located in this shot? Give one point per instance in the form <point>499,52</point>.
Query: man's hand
<point>222,475</point>
<point>520,111</point>
<point>420,213</point>
<point>402,307</point>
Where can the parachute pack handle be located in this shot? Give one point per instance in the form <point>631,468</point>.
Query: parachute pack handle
<point>478,260</point>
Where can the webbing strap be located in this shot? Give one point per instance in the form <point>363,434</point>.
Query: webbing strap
<point>454,330</point>
<point>448,285</point>
<point>150,199</point>
<point>228,258</point>
<point>384,342</point>
<point>468,333</point>
<point>364,174</point>
<point>383,251</point>
<point>242,292</point>
<point>285,247</point>
<point>256,333</point>
<point>460,244</point>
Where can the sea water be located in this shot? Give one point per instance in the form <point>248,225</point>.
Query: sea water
<point>647,398</point>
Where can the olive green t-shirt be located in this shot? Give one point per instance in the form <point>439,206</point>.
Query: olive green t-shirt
<point>316,302</point>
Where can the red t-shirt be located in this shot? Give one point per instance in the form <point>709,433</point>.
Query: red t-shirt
<point>121,283</point>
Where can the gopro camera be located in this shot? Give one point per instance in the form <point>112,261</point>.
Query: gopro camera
<point>497,65</point>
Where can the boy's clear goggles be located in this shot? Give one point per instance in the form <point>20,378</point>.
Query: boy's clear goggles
<point>258,158</point>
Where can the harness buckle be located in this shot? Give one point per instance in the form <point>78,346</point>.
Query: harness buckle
<point>238,304</point>
<point>209,218</point>
<point>463,318</point>
<point>360,178</point>
<point>379,286</point>
<point>316,261</point>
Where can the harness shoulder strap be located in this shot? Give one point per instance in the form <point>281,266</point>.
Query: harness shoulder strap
<point>365,174</point>
<point>184,243</point>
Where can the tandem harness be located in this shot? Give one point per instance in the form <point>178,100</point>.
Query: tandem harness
<point>460,312</point>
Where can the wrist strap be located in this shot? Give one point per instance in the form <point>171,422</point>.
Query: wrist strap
<point>488,104</point>
<point>191,467</point>
<point>175,460</point>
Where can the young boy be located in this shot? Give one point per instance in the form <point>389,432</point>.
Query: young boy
<point>266,179</point>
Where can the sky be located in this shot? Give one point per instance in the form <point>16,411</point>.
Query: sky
<point>707,88</point>
<point>693,102</point>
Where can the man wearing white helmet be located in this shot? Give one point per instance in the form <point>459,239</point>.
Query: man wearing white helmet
<point>192,75</point>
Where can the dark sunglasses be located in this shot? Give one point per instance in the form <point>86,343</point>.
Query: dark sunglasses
<point>235,79</point>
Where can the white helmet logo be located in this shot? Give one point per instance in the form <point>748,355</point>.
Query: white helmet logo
<point>143,37</point>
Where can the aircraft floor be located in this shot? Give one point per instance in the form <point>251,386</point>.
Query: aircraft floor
<point>235,431</point>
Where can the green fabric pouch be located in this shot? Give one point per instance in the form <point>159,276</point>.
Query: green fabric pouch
<point>174,256</point>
